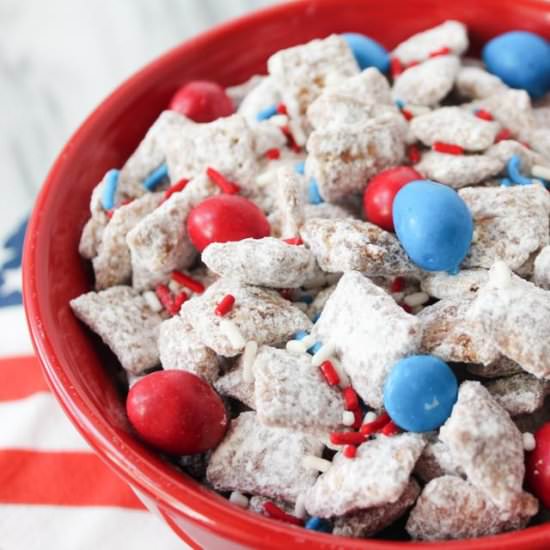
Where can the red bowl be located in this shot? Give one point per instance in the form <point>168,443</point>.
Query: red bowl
<point>54,273</point>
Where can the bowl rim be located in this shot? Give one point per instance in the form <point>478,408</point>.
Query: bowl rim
<point>208,511</point>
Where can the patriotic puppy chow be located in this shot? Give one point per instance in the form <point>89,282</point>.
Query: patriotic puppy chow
<point>428,82</point>
<point>511,224</point>
<point>126,322</point>
<point>292,393</point>
<point>501,367</point>
<point>472,442</point>
<point>262,262</point>
<point>159,242</point>
<point>146,167</point>
<point>261,460</point>
<point>450,508</point>
<point>113,264</point>
<point>457,125</point>
<point>181,349</point>
<point>353,245</point>
<point>233,383</point>
<point>476,83</point>
<point>365,523</point>
<point>337,274</point>
<point>436,461</point>
<point>368,331</point>
<point>378,475</point>
<point>515,314</point>
<point>441,285</point>
<point>520,393</point>
<point>303,72</point>
<point>447,334</point>
<point>258,314</point>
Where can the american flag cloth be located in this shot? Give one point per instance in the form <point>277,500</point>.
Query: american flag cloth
<point>46,499</point>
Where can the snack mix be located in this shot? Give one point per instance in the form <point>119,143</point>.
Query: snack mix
<point>352,255</point>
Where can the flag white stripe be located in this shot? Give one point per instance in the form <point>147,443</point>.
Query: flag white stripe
<point>85,528</point>
<point>37,423</point>
<point>15,336</point>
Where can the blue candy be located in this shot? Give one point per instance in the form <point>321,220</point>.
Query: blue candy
<point>300,167</point>
<point>155,177</point>
<point>306,299</point>
<point>400,104</point>
<point>300,335</point>
<point>367,52</point>
<point>513,168</point>
<point>521,59</point>
<point>315,348</point>
<point>319,524</point>
<point>313,195</point>
<point>433,224</point>
<point>420,392</point>
<point>109,189</point>
<point>266,113</point>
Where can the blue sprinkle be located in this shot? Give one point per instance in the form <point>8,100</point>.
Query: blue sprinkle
<point>315,348</point>
<point>300,335</point>
<point>316,318</point>
<point>300,168</point>
<point>267,113</point>
<point>513,168</point>
<point>313,194</point>
<point>400,104</point>
<point>156,177</point>
<point>318,524</point>
<point>306,299</point>
<point>109,189</point>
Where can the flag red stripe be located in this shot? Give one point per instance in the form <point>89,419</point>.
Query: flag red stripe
<point>61,479</point>
<point>20,377</point>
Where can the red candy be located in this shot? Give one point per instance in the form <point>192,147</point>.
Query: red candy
<point>347,438</point>
<point>372,427</point>
<point>222,182</point>
<point>224,218</point>
<point>396,67</point>
<point>274,512</point>
<point>484,115</point>
<point>329,373</point>
<point>503,134</point>
<point>537,465</point>
<point>273,154</point>
<point>407,115</point>
<point>442,51</point>
<point>177,412</point>
<point>351,400</point>
<point>188,282</point>
<point>202,101</point>
<point>380,192</point>
<point>449,148</point>
<point>350,451</point>
<point>390,429</point>
<point>165,298</point>
<point>225,305</point>
<point>398,284</point>
<point>176,188</point>
<point>297,241</point>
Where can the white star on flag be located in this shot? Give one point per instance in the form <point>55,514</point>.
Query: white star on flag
<point>12,281</point>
